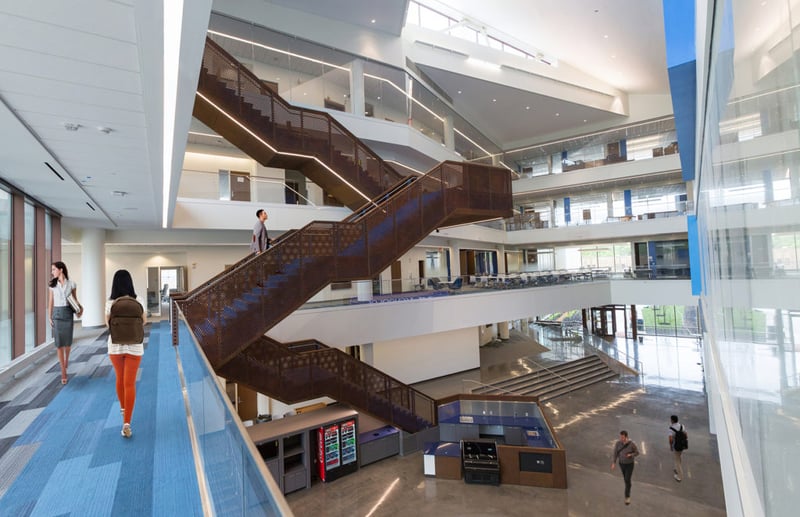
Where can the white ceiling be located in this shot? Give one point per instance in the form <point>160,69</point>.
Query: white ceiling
<point>97,64</point>
<point>59,66</point>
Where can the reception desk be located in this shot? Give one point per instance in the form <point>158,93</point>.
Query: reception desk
<point>528,450</point>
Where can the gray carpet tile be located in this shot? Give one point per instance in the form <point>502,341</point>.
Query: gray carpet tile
<point>6,444</point>
<point>12,462</point>
<point>51,388</point>
<point>17,425</point>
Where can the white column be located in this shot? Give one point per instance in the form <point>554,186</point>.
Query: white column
<point>91,292</point>
<point>503,330</point>
<point>364,290</point>
<point>449,133</point>
<point>357,101</point>
<point>610,205</point>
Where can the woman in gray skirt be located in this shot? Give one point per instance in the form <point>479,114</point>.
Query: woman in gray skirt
<point>61,313</point>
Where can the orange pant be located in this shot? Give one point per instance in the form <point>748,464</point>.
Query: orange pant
<point>126,366</point>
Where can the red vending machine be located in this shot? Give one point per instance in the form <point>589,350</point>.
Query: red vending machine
<point>337,450</point>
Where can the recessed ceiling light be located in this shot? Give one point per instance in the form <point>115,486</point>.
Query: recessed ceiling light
<point>558,114</point>
<point>494,100</point>
<point>70,126</point>
<point>104,129</point>
<point>372,21</point>
<point>613,56</point>
<point>379,97</point>
<point>459,91</point>
<point>584,120</point>
<point>527,107</point>
<point>605,36</point>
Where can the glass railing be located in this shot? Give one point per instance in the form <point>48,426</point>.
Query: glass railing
<point>232,476</point>
<point>306,73</point>
<point>646,140</point>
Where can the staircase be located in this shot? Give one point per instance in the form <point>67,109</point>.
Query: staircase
<point>554,380</point>
<point>230,313</point>
<point>235,103</point>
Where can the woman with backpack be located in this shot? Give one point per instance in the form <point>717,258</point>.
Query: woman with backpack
<point>126,317</point>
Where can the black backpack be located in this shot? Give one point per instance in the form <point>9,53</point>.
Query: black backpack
<point>680,442</point>
<point>125,321</point>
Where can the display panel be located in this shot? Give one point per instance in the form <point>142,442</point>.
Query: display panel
<point>349,446</point>
<point>332,457</point>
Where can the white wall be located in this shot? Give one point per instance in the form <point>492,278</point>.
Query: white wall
<point>425,357</point>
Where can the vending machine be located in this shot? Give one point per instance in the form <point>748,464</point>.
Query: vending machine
<point>337,449</point>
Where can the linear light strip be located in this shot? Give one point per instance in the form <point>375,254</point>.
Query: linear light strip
<point>265,144</point>
<point>173,24</point>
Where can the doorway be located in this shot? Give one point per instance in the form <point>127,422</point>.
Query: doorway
<point>161,281</point>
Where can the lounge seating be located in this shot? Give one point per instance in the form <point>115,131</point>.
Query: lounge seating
<point>456,284</point>
<point>435,283</point>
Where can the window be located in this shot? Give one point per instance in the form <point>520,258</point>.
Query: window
<point>5,278</point>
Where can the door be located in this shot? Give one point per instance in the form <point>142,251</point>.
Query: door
<point>397,278</point>
<point>240,186</point>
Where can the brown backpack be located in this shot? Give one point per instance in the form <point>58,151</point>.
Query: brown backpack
<point>125,321</point>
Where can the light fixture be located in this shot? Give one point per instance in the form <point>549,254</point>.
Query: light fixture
<point>494,100</point>
<point>483,64</point>
<point>70,126</point>
<point>558,114</point>
<point>372,21</point>
<point>104,129</point>
<point>119,193</point>
<point>527,107</point>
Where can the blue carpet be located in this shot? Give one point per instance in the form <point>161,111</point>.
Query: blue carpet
<point>82,466</point>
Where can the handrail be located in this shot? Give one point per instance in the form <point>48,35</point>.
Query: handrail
<point>551,372</point>
<point>488,386</point>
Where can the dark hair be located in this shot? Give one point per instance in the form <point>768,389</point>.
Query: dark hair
<point>674,419</point>
<point>122,285</point>
<point>63,267</point>
<point>624,433</point>
<point>258,212</point>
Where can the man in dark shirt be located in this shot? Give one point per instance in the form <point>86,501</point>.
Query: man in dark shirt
<point>260,240</point>
<point>624,452</point>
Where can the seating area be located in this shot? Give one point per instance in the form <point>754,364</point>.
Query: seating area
<point>539,278</point>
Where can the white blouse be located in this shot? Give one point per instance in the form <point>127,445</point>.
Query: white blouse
<point>60,292</point>
<point>114,348</point>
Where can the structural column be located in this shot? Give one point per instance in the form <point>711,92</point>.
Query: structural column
<point>357,99</point>
<point>449,133</point>
<point>91,292</point>
<point>364,290</point>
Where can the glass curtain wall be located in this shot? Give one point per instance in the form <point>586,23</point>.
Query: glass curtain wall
<point>5,278</point>
<point>748,196</point>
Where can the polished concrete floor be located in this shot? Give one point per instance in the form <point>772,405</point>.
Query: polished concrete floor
<point>587,423</point>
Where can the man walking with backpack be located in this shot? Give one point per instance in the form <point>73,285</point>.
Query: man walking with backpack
<point>678,442</point>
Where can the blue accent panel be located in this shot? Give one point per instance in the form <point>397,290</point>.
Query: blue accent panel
<point>679,31</point>
<point>447,258</point>
<point>694,255</point>
<point>563,155</point>
<point>628,202</point>
<point>494,263</point>
<point>682,83</point>
<point>623,148</point>
<point>567,215</point>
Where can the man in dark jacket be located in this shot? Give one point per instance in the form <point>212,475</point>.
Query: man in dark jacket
<point>624,452</point>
